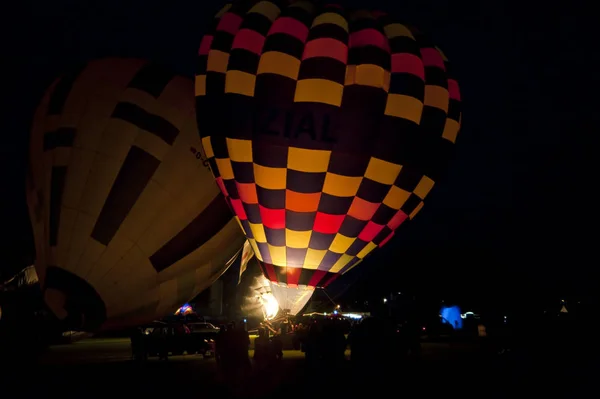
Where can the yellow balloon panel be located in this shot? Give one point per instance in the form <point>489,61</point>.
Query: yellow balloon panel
<point>126,215</point>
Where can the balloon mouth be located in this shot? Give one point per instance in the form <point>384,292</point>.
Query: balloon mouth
<point>291,299</point>
<point>73,300</point>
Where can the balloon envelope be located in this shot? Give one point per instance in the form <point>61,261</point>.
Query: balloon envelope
<point>451,315</point>
<point>325,129</point>
<point>127,219</point>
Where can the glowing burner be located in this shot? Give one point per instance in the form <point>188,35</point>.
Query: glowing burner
<point>269,304</point>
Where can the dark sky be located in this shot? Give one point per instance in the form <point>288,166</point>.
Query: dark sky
<point>513,217</point>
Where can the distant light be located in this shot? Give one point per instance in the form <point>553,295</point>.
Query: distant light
<point>244,320</point>
<point>335,312</point>
<point>399,293</point>
<point>464,315</point>
<point>338,306</point>
<point>384,300</point>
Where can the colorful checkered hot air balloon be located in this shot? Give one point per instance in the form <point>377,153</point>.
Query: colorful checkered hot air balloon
<point>325,129</point>
<point>128,221</point>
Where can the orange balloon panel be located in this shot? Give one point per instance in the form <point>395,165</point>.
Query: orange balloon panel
<point>325,129</point>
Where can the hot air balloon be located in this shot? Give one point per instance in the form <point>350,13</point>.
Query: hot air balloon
<point>325,128</point>
<point>128,222</point>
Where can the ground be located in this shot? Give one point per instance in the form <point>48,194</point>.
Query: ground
<point>102,367</point>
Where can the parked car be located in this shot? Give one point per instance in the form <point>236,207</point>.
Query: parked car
<point>202,338</point>
<point>176,338</point>
<point>202,327</point>
<point>202,345</point>
<point>148,328</point>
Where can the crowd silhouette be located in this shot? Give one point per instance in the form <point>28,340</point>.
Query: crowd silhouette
<point>323,341</point>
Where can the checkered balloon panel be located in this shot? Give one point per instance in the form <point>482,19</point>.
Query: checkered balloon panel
<point>325,129</point>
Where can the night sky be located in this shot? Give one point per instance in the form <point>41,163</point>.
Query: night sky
<point>511,223</point>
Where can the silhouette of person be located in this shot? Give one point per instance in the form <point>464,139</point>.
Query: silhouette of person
<point>276,347</point>
<point>220,344</point>
<point>138,345</point>
<point>163,344</point>
<point>262,349</point>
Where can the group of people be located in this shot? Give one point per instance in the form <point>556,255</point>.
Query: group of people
<point>323,341</point>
